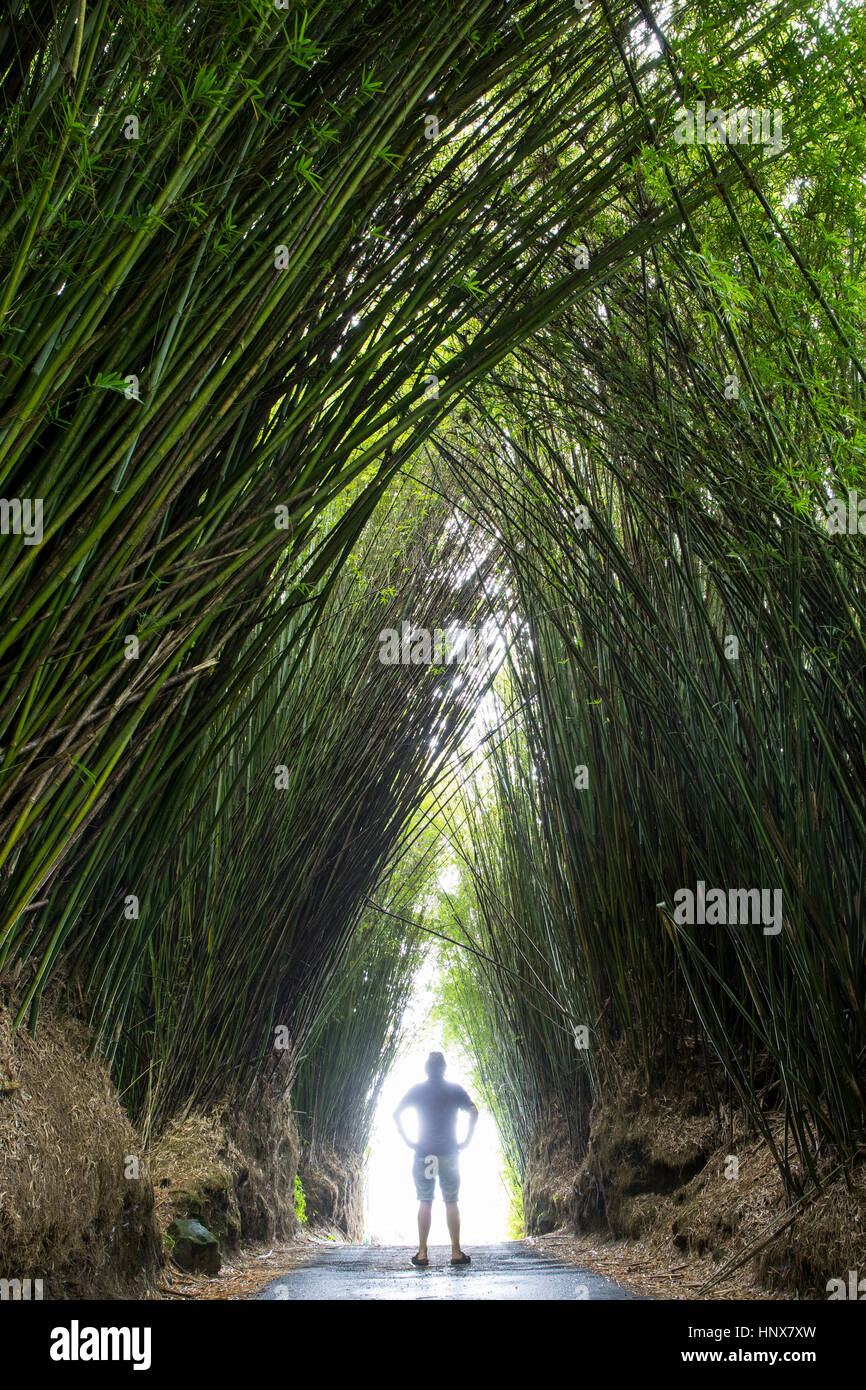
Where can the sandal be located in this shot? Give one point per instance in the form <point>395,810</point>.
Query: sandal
<point>463,1260</point>
<point>419,1264</point>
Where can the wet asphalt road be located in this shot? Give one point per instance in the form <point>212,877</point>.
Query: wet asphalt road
<point>508,1271</point>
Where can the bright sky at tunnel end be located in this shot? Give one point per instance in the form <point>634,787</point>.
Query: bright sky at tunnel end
<point>391,1204</point>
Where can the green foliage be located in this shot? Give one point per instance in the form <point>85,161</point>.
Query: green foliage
<point>707,519</point>
<point>300,1201</point>
<point>261,388</point>
<point>359,1030</point>
<point>247,917</point>
<point>601,389</point>
<point>516,1220</point>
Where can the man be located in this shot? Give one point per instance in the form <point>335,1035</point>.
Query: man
<point>437,1102</point>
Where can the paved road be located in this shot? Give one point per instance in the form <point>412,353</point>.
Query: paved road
<point>508,1271</point>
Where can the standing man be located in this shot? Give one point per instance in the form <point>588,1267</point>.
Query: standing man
<point>437,1102</point>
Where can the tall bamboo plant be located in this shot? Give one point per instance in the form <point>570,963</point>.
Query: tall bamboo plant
<point>660,466</point>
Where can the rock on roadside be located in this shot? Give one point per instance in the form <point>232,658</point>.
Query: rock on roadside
<point>193,1247</point>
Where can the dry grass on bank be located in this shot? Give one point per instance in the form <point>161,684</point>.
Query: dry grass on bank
<point>648,1268</point>
<point>659,1209</point>
<point>232,1168</point>
<point>69,1212</point>
<point>248,1271</point>
<point>708,1222</point>
<point>193,1176</point>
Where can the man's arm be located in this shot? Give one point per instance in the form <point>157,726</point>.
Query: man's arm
<point>405,1104</point>
<point>473,1121</point>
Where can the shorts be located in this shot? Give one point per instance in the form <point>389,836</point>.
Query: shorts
<point>425,1169</point>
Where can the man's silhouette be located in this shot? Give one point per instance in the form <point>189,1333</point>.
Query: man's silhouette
<point>437,1102</point>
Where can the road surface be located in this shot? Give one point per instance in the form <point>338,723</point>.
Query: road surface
<point>511,1270</point>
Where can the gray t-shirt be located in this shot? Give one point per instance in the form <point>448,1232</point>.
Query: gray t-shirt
<point>437,1104</point>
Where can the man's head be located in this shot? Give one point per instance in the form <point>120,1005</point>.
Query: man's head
<point>435,1066</point>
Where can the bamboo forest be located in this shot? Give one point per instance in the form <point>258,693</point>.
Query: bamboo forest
<point>433,659</point>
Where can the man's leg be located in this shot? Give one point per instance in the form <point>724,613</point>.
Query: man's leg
<point>424,1213</point>
<point>449,1181</point>
<point>425,1187</point>
<point>452,1216</point>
